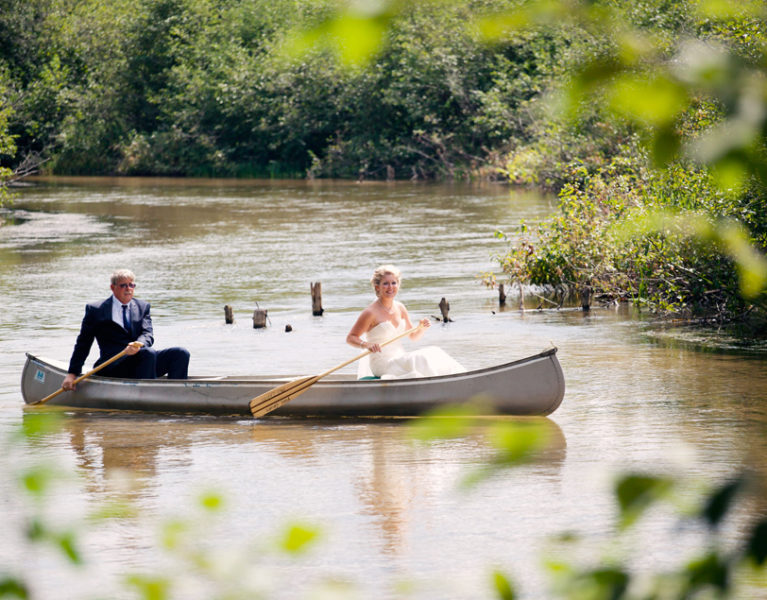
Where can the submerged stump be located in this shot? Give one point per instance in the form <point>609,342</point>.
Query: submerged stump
<point>259,318</point>
<point>316,289</point>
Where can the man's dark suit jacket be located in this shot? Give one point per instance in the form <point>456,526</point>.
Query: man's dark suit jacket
<point>111,337</point>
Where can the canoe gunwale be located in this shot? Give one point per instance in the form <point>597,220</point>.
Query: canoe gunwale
<point>277,379</point>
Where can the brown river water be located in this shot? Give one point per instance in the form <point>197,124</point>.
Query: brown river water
<point>394,521</point>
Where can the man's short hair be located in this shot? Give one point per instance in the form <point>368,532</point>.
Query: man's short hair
<point>121,274</point>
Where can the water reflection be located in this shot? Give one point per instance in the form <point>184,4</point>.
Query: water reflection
<point>391,470</point>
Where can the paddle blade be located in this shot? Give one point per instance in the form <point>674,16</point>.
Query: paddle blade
<point>276,397</point>
<point>273,399</point>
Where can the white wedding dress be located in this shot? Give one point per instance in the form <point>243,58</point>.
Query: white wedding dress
<point>393,362</point>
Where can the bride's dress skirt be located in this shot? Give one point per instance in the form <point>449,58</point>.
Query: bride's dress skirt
<point>393,362</point>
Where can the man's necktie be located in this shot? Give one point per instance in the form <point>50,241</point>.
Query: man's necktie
<point>126,318</point>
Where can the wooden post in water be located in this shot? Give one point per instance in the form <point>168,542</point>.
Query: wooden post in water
<point>586,298</point>
<point>228,315</point>
<point>444,307</point>
<point>316,289</point>
<point>259,318</point>
<point>501,295</point>
<point>521,296</point>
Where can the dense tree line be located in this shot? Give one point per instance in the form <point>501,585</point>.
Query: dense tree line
<point>204,87</point>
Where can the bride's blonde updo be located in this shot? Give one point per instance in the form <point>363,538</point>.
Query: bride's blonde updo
<point>379,273</point>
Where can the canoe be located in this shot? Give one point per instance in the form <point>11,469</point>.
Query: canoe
<point>534,385</point>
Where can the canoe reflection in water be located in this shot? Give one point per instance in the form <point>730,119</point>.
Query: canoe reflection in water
<point>299,464</point>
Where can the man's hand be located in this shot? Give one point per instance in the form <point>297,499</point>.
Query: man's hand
<point>132,348</point>
<point>69,382</point>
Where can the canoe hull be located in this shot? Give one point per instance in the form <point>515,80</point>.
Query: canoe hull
<point>530,386</point>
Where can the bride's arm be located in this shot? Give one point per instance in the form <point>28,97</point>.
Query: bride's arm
<point>362,326</point>
<point>418,333</point>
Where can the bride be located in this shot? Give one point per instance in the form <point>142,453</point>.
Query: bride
<point>386,318</point>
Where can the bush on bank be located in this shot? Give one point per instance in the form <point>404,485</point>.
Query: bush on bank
<point>590,249</point>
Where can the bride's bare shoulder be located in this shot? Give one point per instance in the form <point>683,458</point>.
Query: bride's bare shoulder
<point>368,317</point>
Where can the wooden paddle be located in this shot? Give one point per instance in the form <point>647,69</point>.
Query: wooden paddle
<point>274,398</point>
<point>89,373</point>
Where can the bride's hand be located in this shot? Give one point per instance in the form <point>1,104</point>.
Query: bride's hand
<point>424,323</point>
<point>372,347</point>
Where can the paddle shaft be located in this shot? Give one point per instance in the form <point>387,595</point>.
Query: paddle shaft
<point>273,399</point>
<point>88,374</point>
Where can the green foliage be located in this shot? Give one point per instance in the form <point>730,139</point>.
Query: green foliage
<point>185,541</point>
<point>212,501</point>
<point>151,588</point>
<point>712,573</point>
<point>298,538</point>
<point>686,81</point>
<point>636,492</point>
<point>430,89</point>
<point>715,572</point>
<point>503,586</point>
<point>606,582</point>
<point>192,87</point>
<point>670,238</point>
<point>7,150</point>
<point>512,442</point>
<point>756,549</point>
<point>575,249</point>
<point>39,424</point>
<point>37,480</point>
<point>13,588</point>
<point>446,422</point>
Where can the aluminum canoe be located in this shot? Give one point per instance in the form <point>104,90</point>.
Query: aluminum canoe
<point>533,385</point>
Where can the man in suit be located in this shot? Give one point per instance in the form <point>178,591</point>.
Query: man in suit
<point>116,322</point>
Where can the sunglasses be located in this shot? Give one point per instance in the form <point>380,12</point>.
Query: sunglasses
<point>126,285</point>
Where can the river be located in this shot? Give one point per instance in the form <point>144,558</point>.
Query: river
<point>392,518</point>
